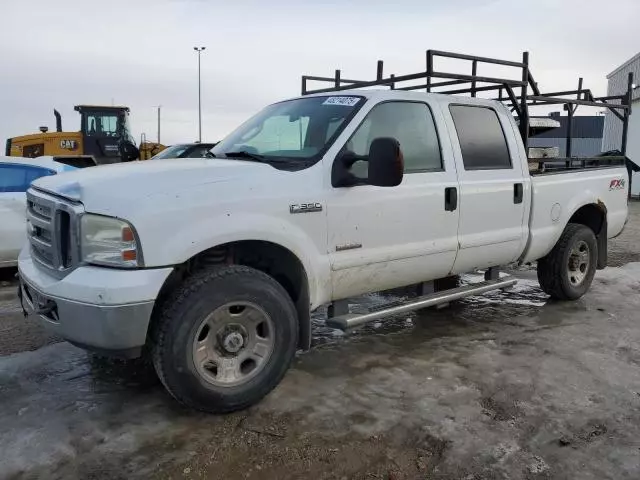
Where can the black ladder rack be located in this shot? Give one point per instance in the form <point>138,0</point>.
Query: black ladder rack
<point>517,93</point>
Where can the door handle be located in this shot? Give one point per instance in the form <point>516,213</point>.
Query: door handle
<point>450,199</point>
<point>518,193</point>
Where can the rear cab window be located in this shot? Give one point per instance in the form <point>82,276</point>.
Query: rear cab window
<point>482,139</point>
<point>18,178</point>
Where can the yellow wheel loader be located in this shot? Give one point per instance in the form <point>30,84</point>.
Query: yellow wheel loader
<point>104,137</point>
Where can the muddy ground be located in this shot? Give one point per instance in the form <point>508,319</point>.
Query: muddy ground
<point>509,385</point>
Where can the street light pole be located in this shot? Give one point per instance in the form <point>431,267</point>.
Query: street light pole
<point>159,106</point>
<point>199,50</point>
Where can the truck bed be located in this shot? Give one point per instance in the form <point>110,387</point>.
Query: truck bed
<point>546,166</point>
<point>557,193</point>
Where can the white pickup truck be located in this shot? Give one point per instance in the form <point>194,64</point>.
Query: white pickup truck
<point>212,266</point>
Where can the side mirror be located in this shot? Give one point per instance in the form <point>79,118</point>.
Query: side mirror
<point>386,163</point>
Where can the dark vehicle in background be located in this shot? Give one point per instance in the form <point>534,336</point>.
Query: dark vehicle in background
<point>186,150</point>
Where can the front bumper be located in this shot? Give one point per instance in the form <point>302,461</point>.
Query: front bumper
<point>100,309</point>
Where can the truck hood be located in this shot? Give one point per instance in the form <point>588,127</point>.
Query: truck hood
<point>127,182</point>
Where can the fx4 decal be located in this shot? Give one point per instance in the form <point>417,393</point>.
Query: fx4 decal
<point>617,184</point>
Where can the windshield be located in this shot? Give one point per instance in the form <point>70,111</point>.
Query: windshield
<point>299,129</point>
<point>173,151</point>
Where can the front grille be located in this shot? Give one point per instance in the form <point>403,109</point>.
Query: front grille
<point>43,254</point>
<point>53,231</point>
<point>65,238</point>
<point>41,211</point>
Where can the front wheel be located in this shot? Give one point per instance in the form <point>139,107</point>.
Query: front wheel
<point>567,271</point>
<point>225,339</point>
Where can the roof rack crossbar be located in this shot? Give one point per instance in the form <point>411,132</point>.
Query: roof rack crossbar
<point>610,97</point>
<point>462,56</point>
<point>471,78</point>
<point>544,100</point>
<point>565,92</point>
<point>330,79</point>
<point>472,90</point>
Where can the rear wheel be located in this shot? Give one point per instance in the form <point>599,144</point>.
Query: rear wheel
<point>225,339</point>
<point>567,271</point>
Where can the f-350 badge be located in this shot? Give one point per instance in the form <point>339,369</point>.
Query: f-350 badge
<point>305,207</point>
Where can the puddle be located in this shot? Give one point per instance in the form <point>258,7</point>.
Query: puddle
<point>523,299</point>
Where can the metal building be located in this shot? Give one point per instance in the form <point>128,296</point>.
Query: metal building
<point>617,85</point>
<point>586,133</point>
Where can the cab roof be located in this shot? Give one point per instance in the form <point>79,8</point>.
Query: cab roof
<point>80,108</point>
<point>380,94</point>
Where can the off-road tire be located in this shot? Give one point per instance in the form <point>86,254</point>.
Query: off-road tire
<point>553,275</point>
<point>181,314</point>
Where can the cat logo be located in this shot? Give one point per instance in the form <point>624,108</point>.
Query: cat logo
<point>68,144</point>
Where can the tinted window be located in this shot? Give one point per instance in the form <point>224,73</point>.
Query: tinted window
<point>411,124</point>
<point>17,178</point>
<point>481,138</point>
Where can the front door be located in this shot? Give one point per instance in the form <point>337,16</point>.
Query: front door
<point>385,237</point>
<point>494,193</point>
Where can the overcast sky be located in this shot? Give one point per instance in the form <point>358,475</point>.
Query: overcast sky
<point>140,53</point>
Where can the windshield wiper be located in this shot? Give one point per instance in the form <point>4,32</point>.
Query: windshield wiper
<point>282,162</point>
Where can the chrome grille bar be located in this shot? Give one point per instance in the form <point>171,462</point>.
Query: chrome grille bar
<point>49,243</point>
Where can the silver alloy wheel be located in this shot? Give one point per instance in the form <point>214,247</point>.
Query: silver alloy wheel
<point>578,263</point>
<point>233,344</point>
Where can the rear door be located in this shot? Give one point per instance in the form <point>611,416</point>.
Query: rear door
<point>493,228</point>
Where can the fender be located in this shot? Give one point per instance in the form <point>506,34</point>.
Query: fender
<point>228,228</point>
<point>543,238</point>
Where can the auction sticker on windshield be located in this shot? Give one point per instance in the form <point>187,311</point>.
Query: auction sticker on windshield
<point>345,101</point>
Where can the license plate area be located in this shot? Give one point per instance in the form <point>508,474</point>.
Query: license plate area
<point>42,305</point>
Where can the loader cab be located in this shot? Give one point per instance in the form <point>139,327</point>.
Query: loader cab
<point>105,133</point>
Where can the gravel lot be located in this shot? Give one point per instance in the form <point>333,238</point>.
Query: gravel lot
<point>508,386</point>
<point>626,248</point>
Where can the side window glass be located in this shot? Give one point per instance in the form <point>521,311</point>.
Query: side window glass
<point>103,125</point>
<point>17,178</point>
<point>411,124</point>
<point>481,137</point>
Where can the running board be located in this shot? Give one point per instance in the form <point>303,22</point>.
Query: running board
<point>352,320</point>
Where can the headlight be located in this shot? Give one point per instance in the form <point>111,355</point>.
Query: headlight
<point>108,241</point>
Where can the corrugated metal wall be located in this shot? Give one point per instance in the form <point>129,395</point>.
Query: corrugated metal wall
<point>586,138</point>
<point>582,127</point>
<point>617,86</point>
